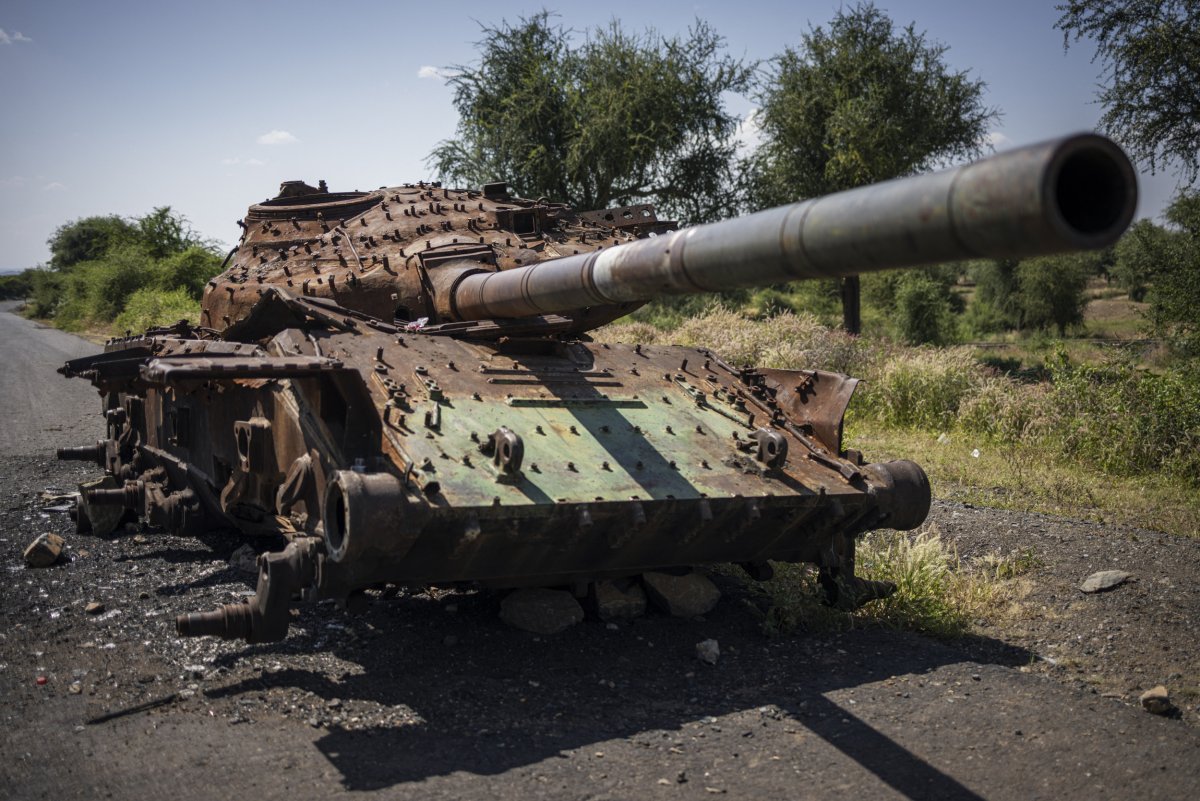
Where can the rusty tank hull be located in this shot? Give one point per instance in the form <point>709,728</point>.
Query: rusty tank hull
<point>401,385</point>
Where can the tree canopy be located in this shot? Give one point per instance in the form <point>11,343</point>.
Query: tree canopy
<point>1150,56</point>
<point>87,239</point>
<point>857,103</point>
<point>1168,260</point>
<point>616,118</point>
<point>159,234</point>
<point>102,264</point>
<point>861,102</point>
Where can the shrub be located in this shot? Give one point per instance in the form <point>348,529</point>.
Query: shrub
<point>920,388</point>
<point>149,308</point>
<point>188,270</point>
<point>1052,291</point>
<point>923,311</point>
<point>109,283</point>
<point>1127,421</point>
<point>45,294</point>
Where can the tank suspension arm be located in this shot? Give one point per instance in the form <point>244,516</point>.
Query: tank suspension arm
<point>1074,193</point>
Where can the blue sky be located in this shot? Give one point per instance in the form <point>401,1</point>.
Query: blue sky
<point>121,106</point>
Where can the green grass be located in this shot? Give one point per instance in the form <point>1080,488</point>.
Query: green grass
<point>1029,479</point>
<point>937,592</point>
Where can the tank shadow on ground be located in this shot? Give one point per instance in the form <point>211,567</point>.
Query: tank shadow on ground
<point>516,701</point>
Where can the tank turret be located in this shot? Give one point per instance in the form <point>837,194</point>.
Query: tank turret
<point>399,384</point>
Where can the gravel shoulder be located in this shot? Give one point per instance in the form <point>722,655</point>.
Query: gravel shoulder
<point>430,695</point>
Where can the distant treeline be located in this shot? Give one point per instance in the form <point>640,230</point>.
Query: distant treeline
<point>110,271</point>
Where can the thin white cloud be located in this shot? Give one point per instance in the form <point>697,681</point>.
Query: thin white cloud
<point>15,36</point>
<point>996,140</point>
<point>435,72</point>
<point>749,132</point>
<point>16,180</point>
<point>277,138</point>
<point>236,161</point>
<point>53,186</point>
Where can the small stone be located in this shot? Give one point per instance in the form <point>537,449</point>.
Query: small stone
<point>708,651</point>
<point>44,551</point>
<point>689,595</point>
<point>75,688</point>
<point>1157,701</point>
<point>244,559</point>
<point>94,608</point>
<point>1105,580</point>
<point>622,599</point>
<point>540,610</point>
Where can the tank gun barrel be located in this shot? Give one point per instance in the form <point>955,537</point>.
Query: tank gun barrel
<point>1074,193</point>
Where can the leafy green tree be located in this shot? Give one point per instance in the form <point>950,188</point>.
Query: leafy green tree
<point>1149,51</point>
<point>188,270</point>
<point>17,285</point>
<point>1175,294</point>
<point>1140,255</point>
<point>857,103</point>
<point>1050,291</point>
<point>918,305</point>
<point>614,119</point>
<point>88,239</point>
<point>923,310</point>
<point>163,233</point>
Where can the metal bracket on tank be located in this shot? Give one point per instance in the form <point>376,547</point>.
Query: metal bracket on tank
<point>507,452</point>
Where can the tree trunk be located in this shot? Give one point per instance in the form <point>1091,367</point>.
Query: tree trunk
<point>851,306</point>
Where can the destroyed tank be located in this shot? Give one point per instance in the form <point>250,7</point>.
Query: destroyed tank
<point>401,385</point>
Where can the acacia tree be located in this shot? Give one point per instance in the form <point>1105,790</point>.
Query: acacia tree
<point>1150,56</point>
<point>1164,264</point>
<point>857,103</point>
<point>615,118</point>
<point>87,239</point>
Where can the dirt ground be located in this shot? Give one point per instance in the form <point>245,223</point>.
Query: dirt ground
<point>429,695</point>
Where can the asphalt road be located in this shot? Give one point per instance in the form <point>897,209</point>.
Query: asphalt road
<point>42,411</point>
<point>421,700</point>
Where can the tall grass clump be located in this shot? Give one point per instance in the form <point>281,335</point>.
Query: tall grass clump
<point>920,388</point>
<point>1005,411</point>
<point>785,341</point>
<point>936,593</point>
